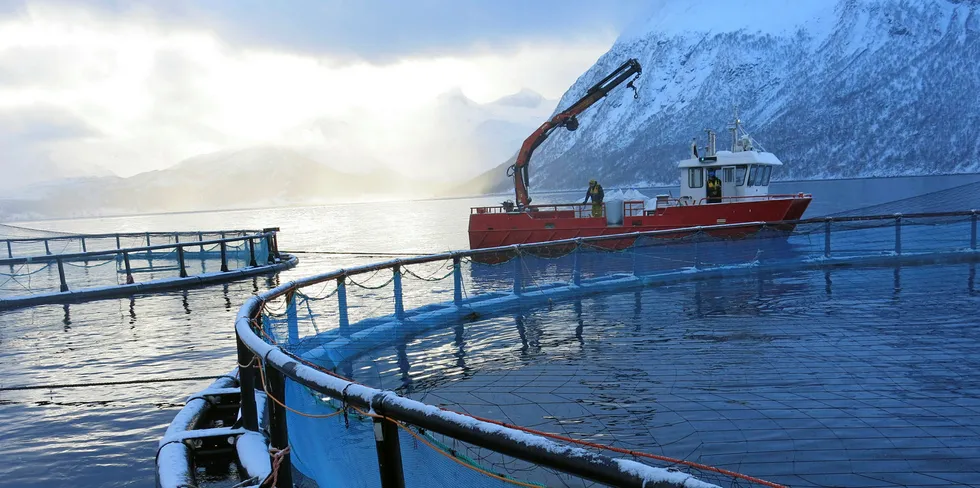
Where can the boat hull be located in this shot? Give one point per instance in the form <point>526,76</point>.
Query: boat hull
<point>489,229</point>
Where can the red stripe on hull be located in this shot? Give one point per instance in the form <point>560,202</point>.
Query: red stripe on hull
<point>505,229</point>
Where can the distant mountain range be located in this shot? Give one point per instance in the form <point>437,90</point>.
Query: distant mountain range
<point>463,136</point>
<point>835,88</point>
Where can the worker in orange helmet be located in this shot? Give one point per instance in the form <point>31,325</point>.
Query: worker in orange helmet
<point>595,193</point>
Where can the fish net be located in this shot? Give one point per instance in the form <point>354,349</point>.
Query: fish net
<point>676,350</point>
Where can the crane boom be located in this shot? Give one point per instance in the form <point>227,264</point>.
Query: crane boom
<point>567,119</point>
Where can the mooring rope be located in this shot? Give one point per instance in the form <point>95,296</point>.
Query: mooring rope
<point>111,383</point>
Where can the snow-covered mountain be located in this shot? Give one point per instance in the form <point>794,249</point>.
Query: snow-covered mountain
<point>836,88</point>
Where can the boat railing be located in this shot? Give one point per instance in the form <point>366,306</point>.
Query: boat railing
<point>557,210</point>
<point>757,198</point>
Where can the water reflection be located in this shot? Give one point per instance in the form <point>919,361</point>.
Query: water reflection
<point>67,320</point>
<point>184,302</point>
<point>132,310</point>
<point>972,278</point>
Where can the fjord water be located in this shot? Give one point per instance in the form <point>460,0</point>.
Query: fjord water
<point>106,436</point>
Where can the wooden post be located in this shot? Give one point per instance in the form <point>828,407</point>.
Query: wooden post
<point>279,437</point>
<point>826,238</point>
<point>457,282</point>
<point>399,304</point>
<point>246,376</point>
<point>342,304</point>
<point>129,270</point>
<point>973,231</point>
<point>898,234</point>
<point>180,261</point>
<point>389,453</point>
<point>61,275</point>
<point>518,270</point>
<point>224,256</point>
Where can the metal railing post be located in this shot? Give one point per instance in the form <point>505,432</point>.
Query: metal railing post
<point>251,254</point>
<point>47,249</point>
<point>147,240</point>
<point>129,270</point>
<point>457,282</point>
<point>697,249</point>
<point>224,256</point>
<point>973,231</point>
<point>200,238</point>
<point>84,249</point>
<point>246,380</point>
<point>518,270</point>
<point>399,304</point>
<point>61,276</point>
<point>577,263</point>
<point>389,453</point>
<point>279,436</point>
<point>118,244</point>
<point>826,238</point>
<point>292,318</point>
<point>898,234</point>
<point>10,249</point>
<point>342,302</point>
<point>180,261</point>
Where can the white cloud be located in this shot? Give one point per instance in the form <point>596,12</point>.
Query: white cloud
<point>151,95</point>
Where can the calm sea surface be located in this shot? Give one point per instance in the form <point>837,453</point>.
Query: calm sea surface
<point>102,436</point>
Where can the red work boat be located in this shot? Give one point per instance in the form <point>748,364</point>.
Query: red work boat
<point>721,187</point>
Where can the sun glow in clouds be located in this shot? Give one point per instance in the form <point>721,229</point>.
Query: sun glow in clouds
<point>131,97</point>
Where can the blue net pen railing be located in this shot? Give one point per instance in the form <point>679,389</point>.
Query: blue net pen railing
<point>361,362</point>
<point>77,267</point>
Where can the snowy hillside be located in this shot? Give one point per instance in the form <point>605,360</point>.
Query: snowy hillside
<point>836,88</point>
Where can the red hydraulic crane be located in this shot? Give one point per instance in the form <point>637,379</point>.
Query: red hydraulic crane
<point>567,119</point>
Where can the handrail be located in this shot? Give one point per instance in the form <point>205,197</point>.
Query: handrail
<point>276,362</point>
<point>543,451</point>
<point>48,258</point>
<point>124,234</point>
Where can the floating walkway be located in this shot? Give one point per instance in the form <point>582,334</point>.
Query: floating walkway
<point>82,267</point>
<point>293,340</point>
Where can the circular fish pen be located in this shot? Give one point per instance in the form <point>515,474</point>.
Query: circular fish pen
<point>840,354</point>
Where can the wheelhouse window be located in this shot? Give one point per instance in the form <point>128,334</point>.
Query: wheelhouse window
<point>740,171</point>
<point>695,177</point>
<point>728,175</point>
<point>765,176</point>
<point>759,175</point>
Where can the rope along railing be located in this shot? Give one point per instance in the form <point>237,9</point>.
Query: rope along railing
<point>82,275</point>
<point>539,273</point>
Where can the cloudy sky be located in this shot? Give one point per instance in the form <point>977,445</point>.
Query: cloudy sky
<point>112,86</point>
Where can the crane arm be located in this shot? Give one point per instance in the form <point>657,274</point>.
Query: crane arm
<point>567,119</point>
